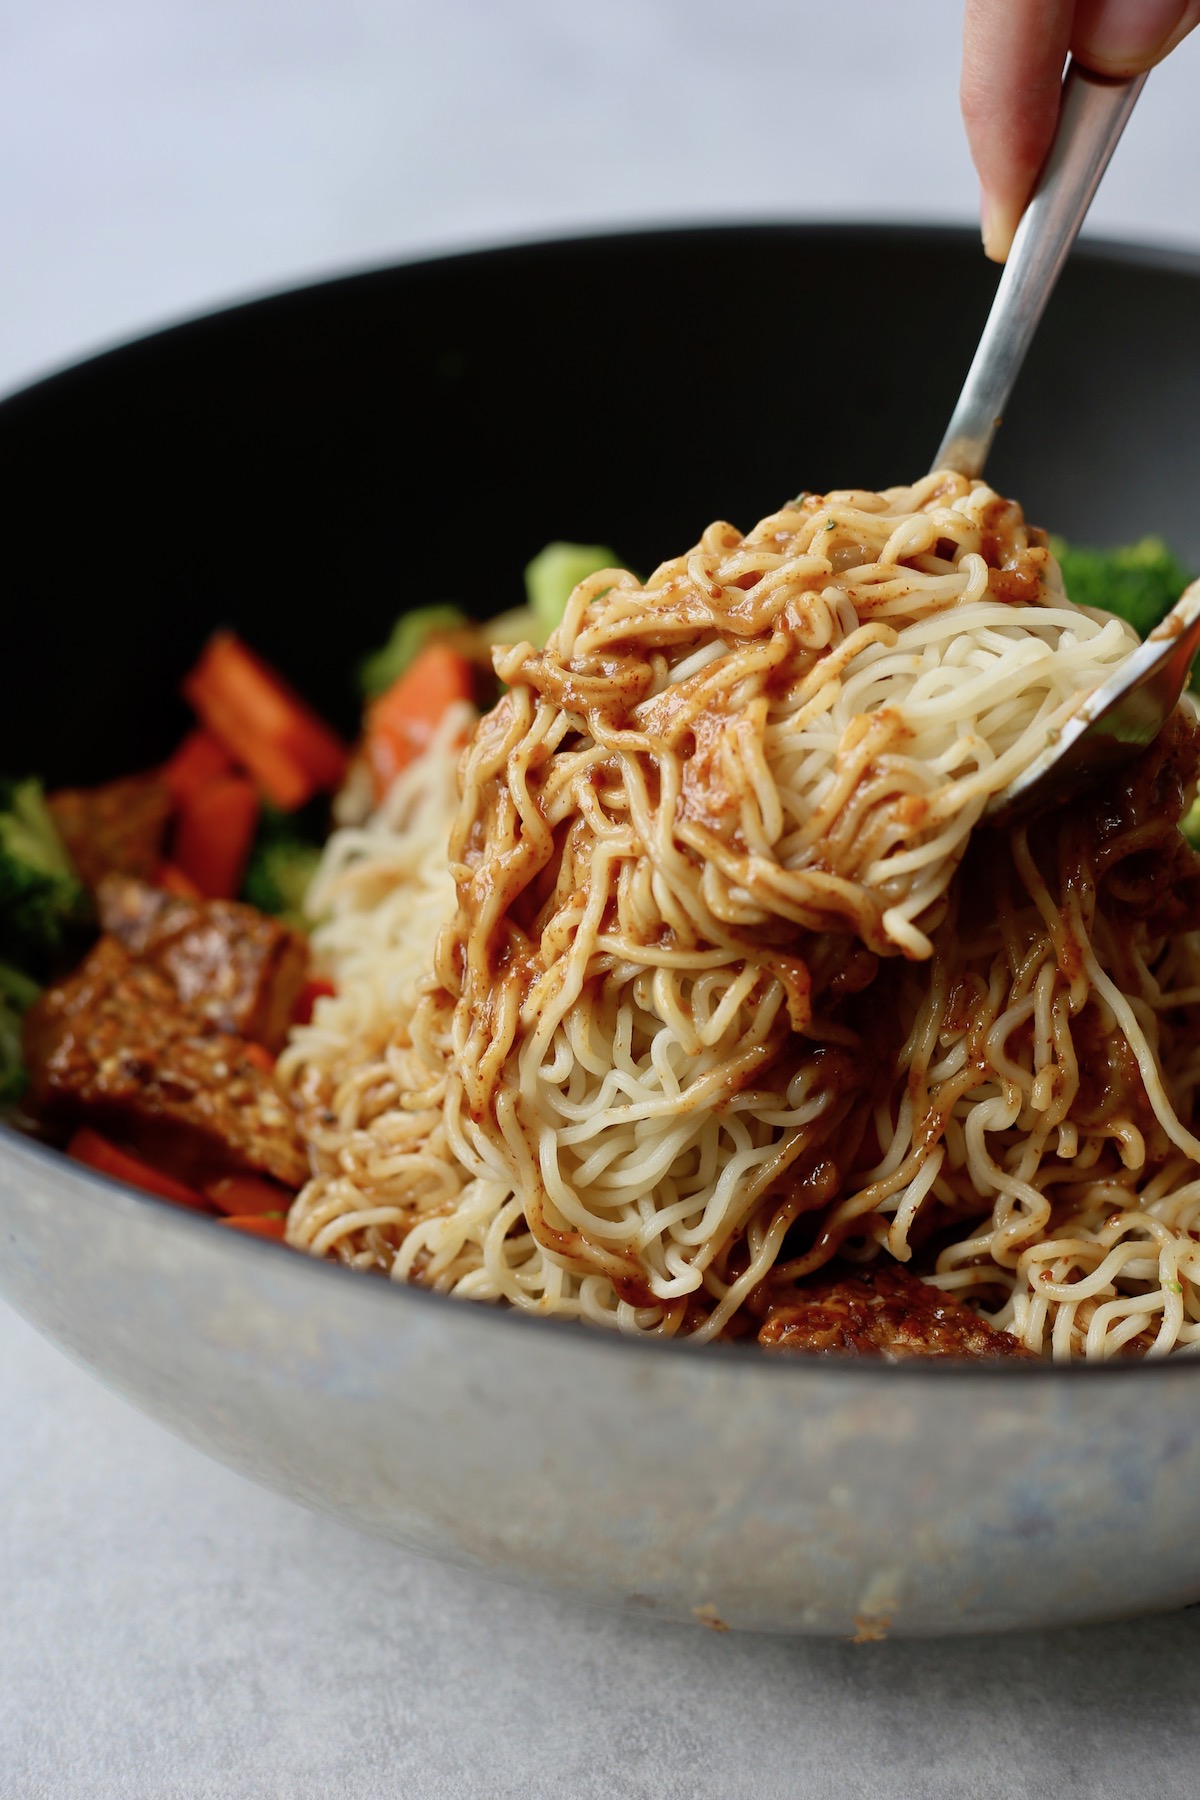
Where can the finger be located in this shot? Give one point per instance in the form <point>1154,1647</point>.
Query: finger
<point>1122,37</point>
<point>1013,56</point>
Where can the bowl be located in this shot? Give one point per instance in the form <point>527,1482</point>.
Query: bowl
<point>304,467</point>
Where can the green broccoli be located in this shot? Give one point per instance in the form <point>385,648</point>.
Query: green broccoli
<point>412,630</point>
<point>554,574</point>
<point>549,581</point>
<point>282,864</point>
<point>17,993</point>
<point>43,903</point>
<point>1140,582</point>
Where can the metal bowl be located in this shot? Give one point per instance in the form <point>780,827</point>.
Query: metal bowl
<point>303,467</point>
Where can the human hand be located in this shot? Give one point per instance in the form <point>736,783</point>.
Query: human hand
<point>1013,56</point>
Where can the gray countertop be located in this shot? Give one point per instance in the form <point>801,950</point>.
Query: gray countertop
<point>166,1629</point>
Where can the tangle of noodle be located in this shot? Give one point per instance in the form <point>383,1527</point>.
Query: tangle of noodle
<point>719,981</point>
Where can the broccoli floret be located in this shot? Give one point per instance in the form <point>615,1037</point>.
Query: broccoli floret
<point>1139,582</point>
<point>282,864</point>
<point>17,993</point>
<point>43,903</point>
<point>554,574</point>
<point>409,635</point>
<point>549,581</point>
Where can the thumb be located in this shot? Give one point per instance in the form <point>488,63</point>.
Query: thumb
<point>1122,37</point>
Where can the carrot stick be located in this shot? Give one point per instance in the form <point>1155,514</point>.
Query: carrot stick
<point>259,1055</point>
<point>258,1225</point>
<point>170,876</point>
<point>87,1146</point>
<point>214,833</point>
<point>401,723</point>
<point>242,1195</point>
<point>199,759</point>
<point>315,988</point>
<point>281,778</point>
<point>267,728</point>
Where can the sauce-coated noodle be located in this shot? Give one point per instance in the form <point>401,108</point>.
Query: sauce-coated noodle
<point>722,981</point>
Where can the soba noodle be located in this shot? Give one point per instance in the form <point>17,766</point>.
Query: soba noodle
<point>697,972</point>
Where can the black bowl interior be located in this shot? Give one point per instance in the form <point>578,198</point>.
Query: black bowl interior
<point>305,467</point>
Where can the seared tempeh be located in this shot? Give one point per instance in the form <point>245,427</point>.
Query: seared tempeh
<point>237,968</point>
<point>881,1310</point>
<point>114,1047</point>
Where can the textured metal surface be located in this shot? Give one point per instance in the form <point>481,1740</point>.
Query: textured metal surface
<point>717,1486</point>
<point>1116,721</point>
<point>1094,112</point>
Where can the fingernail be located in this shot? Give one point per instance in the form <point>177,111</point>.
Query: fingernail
<point>988,226</point>
<point>1185,27</point>
<point>1121,37</point>
<point>998,226</point>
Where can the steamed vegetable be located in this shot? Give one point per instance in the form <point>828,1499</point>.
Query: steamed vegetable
<point>1139,582</point>
<point>410,634</point>
<point>266,728</point>
<point>42,900</point>
<point>316,987</point>
<point>214,831</point>
<point>550,579</point>
<point>401,723</point>
<point>282,864</point>
<point>88,1146</point>
<point>200,758</point>
<point>264,1225</point>
<point>555,573</point>
<point>248,1196</point>
<point>17,994</point>
<point>170,876</point>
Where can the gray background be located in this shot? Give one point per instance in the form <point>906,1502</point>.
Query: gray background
<point>165,1628</point>
<point>160,156</point>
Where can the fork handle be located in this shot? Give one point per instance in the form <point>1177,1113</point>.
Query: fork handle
<point>1091,119</point>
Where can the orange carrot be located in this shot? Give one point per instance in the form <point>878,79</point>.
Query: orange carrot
<point>214,833</point>
<point>259,1055</point>
<point>258,1225</point>
<point>281,779</point>
<point>402,721</point>
<point>265,726</point>
<point>243,1195</point>
<point>314,989</point>
<point>170,876</point>
<point>87,1146</point>
<point>199,759</point>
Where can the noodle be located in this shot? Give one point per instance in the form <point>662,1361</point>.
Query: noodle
<point>722,982</point>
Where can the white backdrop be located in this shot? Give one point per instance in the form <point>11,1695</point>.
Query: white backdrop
<point>158,157</point>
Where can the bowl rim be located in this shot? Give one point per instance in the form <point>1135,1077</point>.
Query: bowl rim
<point>1130,252</point>
<point>96,1186</point>
<point>16,1144</point>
